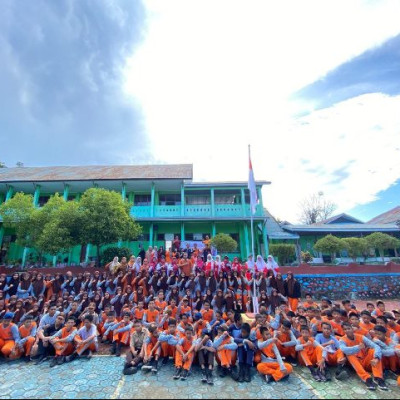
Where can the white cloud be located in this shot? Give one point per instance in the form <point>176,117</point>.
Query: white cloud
<point>212,77</point>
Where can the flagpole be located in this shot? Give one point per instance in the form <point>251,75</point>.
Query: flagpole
<point>255,299</point>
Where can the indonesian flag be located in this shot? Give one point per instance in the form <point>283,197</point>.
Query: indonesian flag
<point>252,188</point>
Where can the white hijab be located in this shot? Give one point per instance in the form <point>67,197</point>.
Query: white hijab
<point>272,265</point>
<point>114,264</point>
<point>261,265</point>
<point>138,264</point>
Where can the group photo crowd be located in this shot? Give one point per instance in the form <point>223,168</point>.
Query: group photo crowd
<point>188,307</point>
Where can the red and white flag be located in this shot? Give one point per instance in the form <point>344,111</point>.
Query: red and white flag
<point>252,188</point>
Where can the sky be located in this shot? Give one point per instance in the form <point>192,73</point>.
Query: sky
<point>312,86</point>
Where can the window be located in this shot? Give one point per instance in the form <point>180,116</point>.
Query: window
<point>198,197</point>
<point>227,197</point>
<point>189,236</point>
<point>170,199</point>
<point>235,236</point>
<point>160,237</point>
<point>145,237</point>
<point>142,200</point>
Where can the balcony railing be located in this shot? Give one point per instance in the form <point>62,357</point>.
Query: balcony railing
<point>195,211</point>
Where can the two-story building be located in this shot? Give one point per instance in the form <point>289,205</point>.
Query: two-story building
<point>165,201</point>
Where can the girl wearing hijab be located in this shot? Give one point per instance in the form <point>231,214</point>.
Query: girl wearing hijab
<point>209,264</point>
<point>272,265</point>
<point>25,287</point>
<point>38,286</point>
<point>261,265</point>
<point>114,265</point>
<point>280,284</point>
<point>12,286</point>
<point>292,291</point>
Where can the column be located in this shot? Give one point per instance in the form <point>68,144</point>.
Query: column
<point>151,235</point>
<point>10,193</point>
<point>212,203</point>
<point>246,238</point>
<point>123,191</point>
<point>152,199</point>
<point>87,253</point>
<point>182,231</point>
<point>182,200</point>
<point>54,261</point>
<point>214,230</point>
<point>242,194</point>
<point>265,239</point>
<point>36,196</point>
<point>66,192</point>
<point>130,197</point>
<point>24,255</point>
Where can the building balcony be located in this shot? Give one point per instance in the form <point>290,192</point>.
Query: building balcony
<point>223,211</point>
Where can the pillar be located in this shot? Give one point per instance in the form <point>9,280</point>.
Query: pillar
<point>152,199</point>
<point>36,196</point>
<point>24,255</point>
<point>243,197</point>
<point>54,261</point>
<point>214,230</point>
<point>182,200</point>
<point>182,231</point>
<point>123,191</point>
<point>87,253</point>
<point>130,197</point>
<point>246,238</point>
<point>66,192</point>
<point>10,193</point>
<point>151,235</point>
<point>212,203</point>
<point>265,239</point>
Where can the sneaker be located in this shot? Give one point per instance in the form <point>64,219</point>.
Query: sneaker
<point>371,385</point>
<point>54,362</point>
<point>327,374</point>
<point>178,372</point>
<point>315,375</point>
<point>165,360</point>
<point>341,374</point>
<point>224,372</point>
<point>147,367</point>
<point>71,357</point>
<point>322,376</point>
<point>154,369</point>
<point>90,355</point>
<point>40,360</point>
<point>113,349</point>
<point>130,371</point>
<point>204,376</point>
<point>60,360</point>
<point>269,379</point>
<point>285,378</point>
<point>381,384</point>
<point>210,379</point>
<point>184,375</point>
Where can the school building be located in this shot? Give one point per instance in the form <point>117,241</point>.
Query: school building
<point>165,202</point>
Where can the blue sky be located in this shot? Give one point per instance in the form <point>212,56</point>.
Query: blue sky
<point>119,82</point>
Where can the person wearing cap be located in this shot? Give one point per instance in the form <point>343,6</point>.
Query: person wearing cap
<point>9,336</point>
<point>226,349</point>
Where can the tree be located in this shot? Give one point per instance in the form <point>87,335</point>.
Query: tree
<point>316,208</point>
<point>283,251</point>
<point>106,219</point>
<point>111,252</point>
<point>382,242</point>
<point>306,257</point>
<point>354,247</point>
<point>2,164</point>
<point>19,164</point>
<point>224,243</point>
<point>329,244</point>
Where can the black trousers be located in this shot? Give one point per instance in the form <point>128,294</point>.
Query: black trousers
<point>206,357</point>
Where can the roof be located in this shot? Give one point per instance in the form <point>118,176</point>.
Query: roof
<point>96,172</point>
<point>340,219</point>
<point>275,231</point>
<point>391,216</point>
<point>226,184</point>
<point>342,228</point>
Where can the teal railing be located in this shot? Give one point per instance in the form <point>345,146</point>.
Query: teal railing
<point>198,211</point>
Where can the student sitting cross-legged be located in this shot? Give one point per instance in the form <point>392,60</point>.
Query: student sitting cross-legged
<point>136,349</point>
<point>185,352</point>
<point>63,342</point>
<point>206,354</point>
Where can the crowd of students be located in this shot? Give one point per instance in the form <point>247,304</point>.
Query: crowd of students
<point>192,309</point>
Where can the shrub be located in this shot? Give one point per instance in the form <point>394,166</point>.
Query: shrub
<point>111,252</point>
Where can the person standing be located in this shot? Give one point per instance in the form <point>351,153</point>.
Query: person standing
<point>292,291</point>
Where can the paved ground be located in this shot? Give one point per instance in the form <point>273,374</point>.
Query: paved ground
<point>101,378</point>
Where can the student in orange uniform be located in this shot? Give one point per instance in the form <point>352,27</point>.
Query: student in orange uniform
<point>139,311</point>
<point>354,320</point>
<point>121,334</point>
<point>309,352</point>
<point>225,346</point>
<point>152,350</point>
<point>63,342</point>
<point>173,308</point>
<point>185,352</point>
<point>27,333</point>
<point>207,312</point>
<point>286,342</point>
<point>151,316</point>
<point>390,359</point>
<point>169,339</point>
<point>271,366</point>
<point>107,332</point>
<point>366,321</point>
<point>9,336</point>
<point>363,355</point>
<point>337,322</point>
<point>206,354</point>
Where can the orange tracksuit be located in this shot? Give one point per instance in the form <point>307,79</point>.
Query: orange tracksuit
<point>138,314</point>
<point>7,340</point>
<point>65,349</point>
<point>226,356</point>
<point>310,355</point>
<point>271,367</point>
<point>207,315</point>
<point>362,360</point>
<point>174,311</point>
<point>285,351</point>
<point>186,346</point>
<point>122,337</point>
<point>25,333</point>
